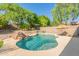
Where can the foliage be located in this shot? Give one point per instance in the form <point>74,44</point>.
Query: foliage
<point>62,13</point>
<point>32,20</point>
<point>15,13</point>
<point>20,17</point>
<point>1,43</point>
<point>44,21</point>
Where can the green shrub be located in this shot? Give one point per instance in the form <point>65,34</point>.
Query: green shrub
<point>24,26</point>
<point>1,43</point>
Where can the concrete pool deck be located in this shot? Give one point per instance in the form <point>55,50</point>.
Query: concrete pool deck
<point>13,50</point>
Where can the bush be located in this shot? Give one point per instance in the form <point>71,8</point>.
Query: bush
<point>1,43</point>
<point>24,26</point>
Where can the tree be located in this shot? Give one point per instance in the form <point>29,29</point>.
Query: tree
<point>44,21</point>
<point>17,14</point>
<point>64,12</point>
<point>21,18</point>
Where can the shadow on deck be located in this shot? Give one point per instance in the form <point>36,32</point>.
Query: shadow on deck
<point>72,49</point>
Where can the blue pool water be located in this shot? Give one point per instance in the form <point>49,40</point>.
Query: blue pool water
<point>38,42</point>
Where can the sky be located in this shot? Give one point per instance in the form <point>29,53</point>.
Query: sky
<point>39,8</point>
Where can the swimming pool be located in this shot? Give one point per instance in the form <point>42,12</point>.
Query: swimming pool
<point>38,42</point>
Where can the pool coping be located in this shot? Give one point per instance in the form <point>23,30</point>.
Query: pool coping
<point>62,42</point>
